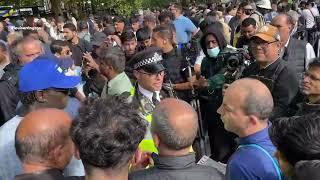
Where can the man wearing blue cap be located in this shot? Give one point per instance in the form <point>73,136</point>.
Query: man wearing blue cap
<point>42,84</point>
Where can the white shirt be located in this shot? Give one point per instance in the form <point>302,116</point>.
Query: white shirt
<point>306,13</point>
<point>315,11</point>
<point>148,93</point>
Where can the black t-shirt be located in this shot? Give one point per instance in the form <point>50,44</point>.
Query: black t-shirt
<point>281,81</point>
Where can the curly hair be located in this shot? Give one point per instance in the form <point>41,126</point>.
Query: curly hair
<point>107,132</point>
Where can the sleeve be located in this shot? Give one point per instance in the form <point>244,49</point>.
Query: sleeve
<point>285,90</point>
<point>8,102</point>
<point>200,57</point>
<point>309,54</point>
<point>190,27</point>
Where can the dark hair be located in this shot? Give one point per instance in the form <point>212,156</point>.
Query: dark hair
<point>164,31</point>
<point>28,32</point>
<point>3,46</point>
<point>82,25</point>
<point>134,19</point>
<point>127,36</point>
<point>113,56</point>
<point>109,30</point>
<point>314,63</point>
<point>107,132</point>
<point>118,19</point>
<point>177,6</point>
<point>27,98</point>
<point>243,4</point>
<point>36,148</point>
<point>297,138</point>
<point>149,18</point>
<point>169,134</point>
<point>57,45</point>
<point>143,34</point>
<point>165,14</point>
<point>70,26</point>
<point>229,8</point>
<point>249,21</point>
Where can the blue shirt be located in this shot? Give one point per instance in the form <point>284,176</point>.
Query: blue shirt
<point>250,163</point>
<point>184,28</point>
<point>10,165</point>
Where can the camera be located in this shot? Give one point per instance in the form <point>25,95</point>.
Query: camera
<point>234,61</point>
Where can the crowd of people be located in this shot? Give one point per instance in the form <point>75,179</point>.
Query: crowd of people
<point>210,91</point>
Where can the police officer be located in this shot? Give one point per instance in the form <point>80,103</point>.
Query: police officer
<point>149,73</point>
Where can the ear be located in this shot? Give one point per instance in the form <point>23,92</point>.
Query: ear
<point>253,119</point>
<point>41,96</point>
<point>136,74</point>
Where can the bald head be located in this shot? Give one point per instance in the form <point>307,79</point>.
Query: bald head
<point>41,131</point>
<point>176,123</point>
<point>254,96</point>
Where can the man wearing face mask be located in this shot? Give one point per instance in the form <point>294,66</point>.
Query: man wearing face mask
<point>210,86</point>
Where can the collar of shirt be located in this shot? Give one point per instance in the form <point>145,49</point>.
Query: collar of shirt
<point>286,45</point>
<point>148,93</point>
<point>169,54</point>
<point>256,138</point>
<point>271,66</point>
<point>117,78</point>
<point>174,162</point>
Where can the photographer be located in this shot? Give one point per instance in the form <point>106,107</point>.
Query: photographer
<point>210,83</point>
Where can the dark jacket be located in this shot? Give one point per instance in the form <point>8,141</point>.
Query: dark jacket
<point>282,82</point>
<point>9,92</point>
<point>78,50</point>
<point>307,108</point>
<point>51,174</point>
<point>176,168</point>
<point>177,72</point>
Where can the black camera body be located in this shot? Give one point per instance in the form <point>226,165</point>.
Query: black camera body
<point>234,61</point>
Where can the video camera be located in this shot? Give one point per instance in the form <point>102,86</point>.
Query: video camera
<point>234,61</point>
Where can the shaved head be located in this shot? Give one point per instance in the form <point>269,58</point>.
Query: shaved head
<point>176,123</point>
<point>254,96</point>
<point>40,132</point>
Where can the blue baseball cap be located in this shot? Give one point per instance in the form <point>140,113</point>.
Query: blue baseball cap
<point>44,72</point>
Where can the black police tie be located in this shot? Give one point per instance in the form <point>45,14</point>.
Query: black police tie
<point>155,101</point>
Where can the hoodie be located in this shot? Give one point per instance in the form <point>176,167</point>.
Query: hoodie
<point>211,68</point>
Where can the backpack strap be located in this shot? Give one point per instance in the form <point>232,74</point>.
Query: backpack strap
<point>275,163</point>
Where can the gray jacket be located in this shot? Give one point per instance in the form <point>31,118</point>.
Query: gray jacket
<point>176,168</point>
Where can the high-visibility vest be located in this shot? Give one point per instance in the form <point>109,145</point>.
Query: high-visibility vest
<point>147,143</point>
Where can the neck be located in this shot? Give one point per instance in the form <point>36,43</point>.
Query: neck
<point>163,151</point>
<point>112,75</point>
<point>252,130</point>
<point>75,40</point>
<point>167,49</point>
<point>265,64</point>
<point>314,99</point>
<point>108,174</point>
<point>35,167</point>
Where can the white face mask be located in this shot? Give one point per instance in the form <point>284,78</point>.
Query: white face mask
<point>213,52</point>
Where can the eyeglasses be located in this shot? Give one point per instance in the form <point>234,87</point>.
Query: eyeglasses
<point>161,73</point>
<point>311,76</point>
<point>255,44</point>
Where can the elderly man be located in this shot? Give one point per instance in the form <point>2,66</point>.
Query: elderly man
<point>297,52</point>
<point>270,69</point>
<point>43,144</point>
<point>24,51</point>
<point>245,111</point>
<point>174,128</point>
